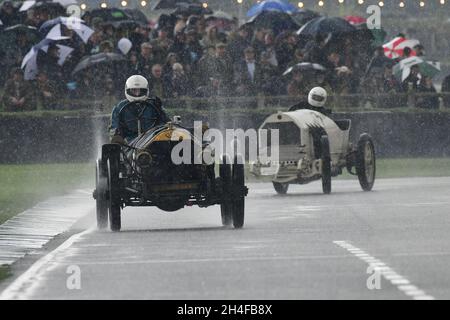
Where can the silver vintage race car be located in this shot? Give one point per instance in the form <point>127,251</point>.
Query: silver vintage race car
<point>314,147</point>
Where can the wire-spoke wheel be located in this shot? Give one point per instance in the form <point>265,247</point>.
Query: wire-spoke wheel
<point>326,164</point>
<point>101,194</point>
<point>366,162</point>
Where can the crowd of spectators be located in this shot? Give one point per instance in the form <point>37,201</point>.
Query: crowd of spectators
<point>186,56</point>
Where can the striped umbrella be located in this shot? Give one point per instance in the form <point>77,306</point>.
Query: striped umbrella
<point>394,48</point>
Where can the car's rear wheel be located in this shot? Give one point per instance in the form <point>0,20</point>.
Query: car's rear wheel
<point>326,164</point>
<point>101,192</point>
<point>239,192</point>
<point>226,206</point>
<point>366,162</point>
<point>281,188</point>
<point>114,194</point>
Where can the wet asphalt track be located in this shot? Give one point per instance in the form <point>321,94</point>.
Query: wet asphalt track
<point>304,245</point>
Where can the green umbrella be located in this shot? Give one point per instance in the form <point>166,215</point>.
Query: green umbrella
<point>426,68</point>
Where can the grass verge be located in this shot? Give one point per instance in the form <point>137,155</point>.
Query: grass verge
<point>23,186</point>
<point>4,272</point>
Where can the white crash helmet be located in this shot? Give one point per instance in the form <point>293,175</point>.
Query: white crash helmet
<point>136,88</point>
<point>317,97</point>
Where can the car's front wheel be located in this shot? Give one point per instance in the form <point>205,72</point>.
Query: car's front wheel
<point>101,194</point>
<point>280,188</point>
<point>115,223</point>
<point>326,164</point>
<point>226,206</point>
<point>239,192</point>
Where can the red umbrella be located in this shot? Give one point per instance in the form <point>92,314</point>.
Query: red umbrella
<point>355,20</point>
<point>394,48</point>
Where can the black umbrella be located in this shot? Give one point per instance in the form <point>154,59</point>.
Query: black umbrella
<point>53,7</point>
<point>137,15</point>
<point>275,20</point>
<point>9,36</point>
<point>305,66</point>
<point>326,26</point>
<point>172,4</point>
<point>190,9</point>
<point>99,60</point>
<point>301,17</point>
<point>375,36</point>
<point>108,14</point>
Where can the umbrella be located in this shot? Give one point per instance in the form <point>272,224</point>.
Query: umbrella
<point>274,20</point>
<point>171,4</point>
<point>97,60</point>
<point>73,23</point>
<point>219,15</point>
<point>271,5</point>
<point>376,36</point>
<point>137,15</point>
<point>189,9</point>
<point>31,3</point>
<point>305,66</point>
<point>325,26</point>
<point>29,62</point>
<point>394,48</point>
<point>108,14</point>
<point>55,33</point>
<point>427,68</point>
<point>355,20</point>
<point>303,16</point>
<point>9,36</point>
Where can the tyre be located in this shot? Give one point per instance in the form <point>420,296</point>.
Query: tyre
<point>281,188</point>
<point>366,162</point>
<point>101,190</point>
<point>114,200</point>
<point>326,164</point>
<point>239,194</point>
<point>226,206</point>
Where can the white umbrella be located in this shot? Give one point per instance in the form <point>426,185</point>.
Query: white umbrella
<point>55,33</point>
<point>29,62</point>
<point>427,68</point>
<point>73,23</point>
<point>31,69</point>
<point>64,53</point>
<point>30,3</point>
<point>84,32</point>
<point>220,15</point>
<point>394,48</point>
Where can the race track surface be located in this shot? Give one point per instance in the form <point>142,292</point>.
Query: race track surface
<point>304,245</point>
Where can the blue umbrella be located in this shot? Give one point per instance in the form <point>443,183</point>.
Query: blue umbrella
<point>271,5</point>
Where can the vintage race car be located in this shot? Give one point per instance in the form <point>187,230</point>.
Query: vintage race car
<point>143,174</point>
<point>314,147</point>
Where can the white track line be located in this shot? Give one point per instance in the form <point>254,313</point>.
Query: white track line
<point>388,273</point>
<point>24,286</point>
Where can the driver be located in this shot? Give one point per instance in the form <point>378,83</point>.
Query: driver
<point>137,113</point>
<point>317,98</point>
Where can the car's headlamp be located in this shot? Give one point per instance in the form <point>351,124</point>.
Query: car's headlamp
<point>144,159</point>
